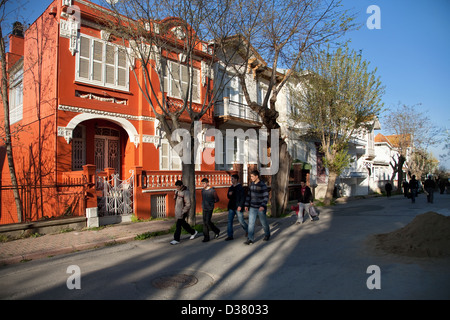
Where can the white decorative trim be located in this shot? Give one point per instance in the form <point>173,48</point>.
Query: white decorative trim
<point>182,57</point>
<point>69,29</point>
<point>207,71</point>
<point>95,97</point>
<point>178,32</point>
<point>104,113</point>
<point>156,140</point>
<point>105,35</point>
<point>67,131</point>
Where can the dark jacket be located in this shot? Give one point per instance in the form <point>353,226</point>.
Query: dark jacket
<point>306,197</point>
<point>429,184</point>
<point>258,195</point>
<point>413,184</point>
<point>237,197</point>
<point>209,198</point>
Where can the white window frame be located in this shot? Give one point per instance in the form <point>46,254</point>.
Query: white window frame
<point>173,160</point>
<point>16,96</point>
<point>102,61</point>
<point>172,83</point>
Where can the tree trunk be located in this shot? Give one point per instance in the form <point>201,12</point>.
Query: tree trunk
<point>188,171</point>
<point>401,162</point>
<point>8,140</point>
<point>330,188</point>
<point>280,182</point>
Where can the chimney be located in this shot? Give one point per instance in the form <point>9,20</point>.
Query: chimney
<point>16,45</point>
<point>17,29</point>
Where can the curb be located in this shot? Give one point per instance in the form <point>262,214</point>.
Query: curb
<point>220,219</point>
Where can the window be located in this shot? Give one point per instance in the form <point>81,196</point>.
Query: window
<point>260,94</point>
<point>78,148</point>
<point>176,80</point>
<point>16,97</point>
<point>102,63</point>
<point>169,159</point>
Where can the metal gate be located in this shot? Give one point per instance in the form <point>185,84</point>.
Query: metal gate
<point>116,195</point>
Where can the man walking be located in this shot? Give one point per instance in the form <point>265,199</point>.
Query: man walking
<point>256,203</point>
<point>209,198</point>
<point>236,200</point>
<point>413,186</point>
<point>182,206</point>
<point>429,186</point>
<point>304,202</point>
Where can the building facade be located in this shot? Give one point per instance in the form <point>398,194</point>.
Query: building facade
<point>86,138</point>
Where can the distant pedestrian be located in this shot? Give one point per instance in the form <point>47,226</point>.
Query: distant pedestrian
<point>413,187</point>
<point>236,200</point>
<point>209,198</point>
<point>429,186</point>
<point>405,188</point>
<point>256,204</point>
<point>182,206</point>
<point>305,202</point>
<point>388,188</point>
<point>442,185</point>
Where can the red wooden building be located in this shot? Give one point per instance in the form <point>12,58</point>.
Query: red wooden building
<point>85,139</point>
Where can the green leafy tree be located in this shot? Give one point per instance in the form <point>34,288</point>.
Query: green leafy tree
<point>337,97</point>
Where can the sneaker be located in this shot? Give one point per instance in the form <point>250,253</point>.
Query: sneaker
<point>193,236</point>
<point>216,235</point>
<point>266,238</point>
<point>174,242</point>
<point>229,238</point>
<point>205,240</point>
<point>248,242</point>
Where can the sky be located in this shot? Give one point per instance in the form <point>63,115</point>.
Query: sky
<point>411,51</point>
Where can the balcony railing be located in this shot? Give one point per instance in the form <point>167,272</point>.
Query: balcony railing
<point>157,180</point>
<point>235,109</point>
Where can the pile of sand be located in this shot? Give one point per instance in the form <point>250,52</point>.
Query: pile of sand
<point>427,235</point>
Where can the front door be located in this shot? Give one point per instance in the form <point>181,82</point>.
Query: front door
<point>107,149</point>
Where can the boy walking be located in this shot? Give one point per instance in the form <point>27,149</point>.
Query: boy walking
<point>236,200</point>
<point>256,203</point>
<point>182,206</point>
<point>209,198</point>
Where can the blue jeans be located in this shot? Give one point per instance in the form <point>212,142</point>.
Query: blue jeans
<point>252,213</point>
<point>240,215</point>
<point>413,195</point>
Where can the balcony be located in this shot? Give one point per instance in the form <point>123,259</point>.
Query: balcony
<point>157,181</point>
<point>233,112</point>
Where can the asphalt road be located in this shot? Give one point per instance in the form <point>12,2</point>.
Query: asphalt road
<point>325,259</point>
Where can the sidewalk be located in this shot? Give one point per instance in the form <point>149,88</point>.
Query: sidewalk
<point>61,243</point>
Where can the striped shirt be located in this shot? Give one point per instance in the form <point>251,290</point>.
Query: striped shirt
<point>258,195</point>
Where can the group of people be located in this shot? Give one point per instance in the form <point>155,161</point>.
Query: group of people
<point>255,203</point>
<point>411,188</point>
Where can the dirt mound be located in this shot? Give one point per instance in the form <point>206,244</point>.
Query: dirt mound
<point>427,235</point>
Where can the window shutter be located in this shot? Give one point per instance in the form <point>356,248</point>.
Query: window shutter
<point>98,60</point>
<point>164,156</point>
<point>83,66</point>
